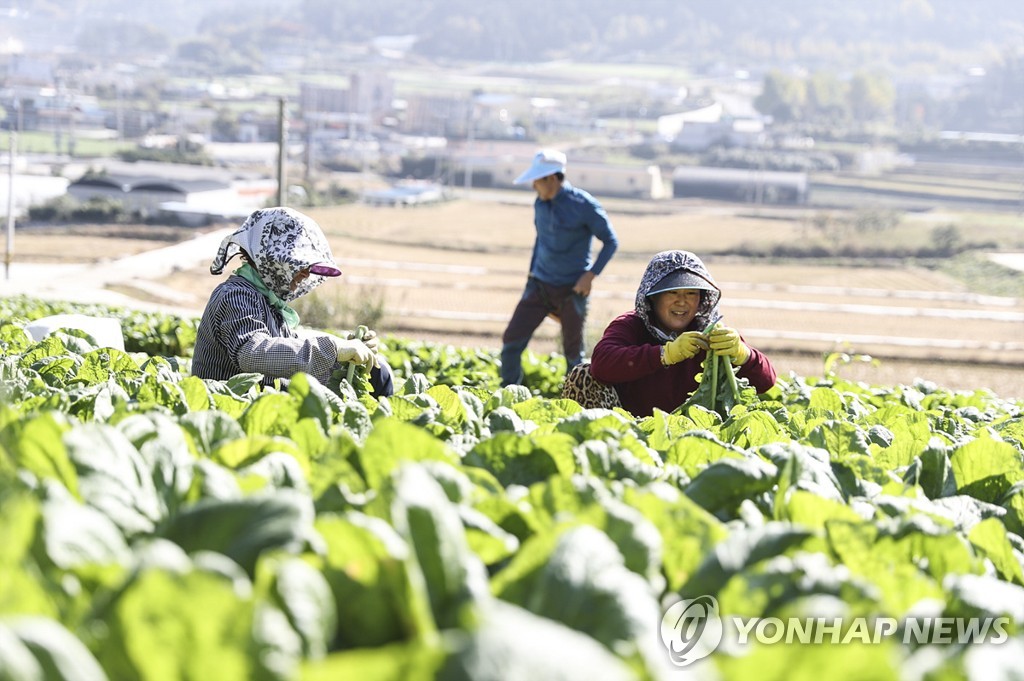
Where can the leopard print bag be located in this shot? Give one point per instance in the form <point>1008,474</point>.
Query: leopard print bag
<point>581,386</point>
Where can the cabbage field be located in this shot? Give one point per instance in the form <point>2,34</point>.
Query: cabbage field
<point>159,526</point>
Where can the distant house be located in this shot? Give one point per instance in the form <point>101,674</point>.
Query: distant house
<point>142,194</point>
<point>407,193</point>
<point>442,115</point>
<point>740,184</point>
<point>600,179</point>
<point>191,201</point>
<point>703,128</point>
<point>671,125</point>
<point>728,132</point>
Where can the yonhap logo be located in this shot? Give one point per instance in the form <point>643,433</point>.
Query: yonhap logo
<point>691,630</point>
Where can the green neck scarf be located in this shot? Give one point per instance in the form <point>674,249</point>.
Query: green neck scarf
<point>249,273</point>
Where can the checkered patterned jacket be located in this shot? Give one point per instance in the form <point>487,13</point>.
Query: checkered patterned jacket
<point>240,332</point>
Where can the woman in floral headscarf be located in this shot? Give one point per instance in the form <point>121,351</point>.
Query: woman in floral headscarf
<point>248,325</point>
<point>652,355</point>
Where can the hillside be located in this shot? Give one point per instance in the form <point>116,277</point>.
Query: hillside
<point>912,34</point>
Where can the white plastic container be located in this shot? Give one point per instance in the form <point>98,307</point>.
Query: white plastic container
<point>106,330</point>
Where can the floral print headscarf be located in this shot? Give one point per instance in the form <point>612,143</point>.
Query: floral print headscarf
<point>279,242</point>
<point>663,264</point>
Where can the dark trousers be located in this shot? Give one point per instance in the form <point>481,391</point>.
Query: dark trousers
<point>539,301</point>
<point>382,380</point>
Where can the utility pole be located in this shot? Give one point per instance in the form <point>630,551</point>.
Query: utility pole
<point>9,253</point>
<point>71,125</point>
<point>120,110</point>
<point>468,172</point>
<point>282,151</point>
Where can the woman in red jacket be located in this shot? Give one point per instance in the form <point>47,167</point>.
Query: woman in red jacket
<point>652,355</point>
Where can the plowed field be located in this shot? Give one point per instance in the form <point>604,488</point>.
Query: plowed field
<point>453,272</point>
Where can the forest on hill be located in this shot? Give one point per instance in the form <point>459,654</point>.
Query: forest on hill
<point>905,34</point>
<point>695,30</point>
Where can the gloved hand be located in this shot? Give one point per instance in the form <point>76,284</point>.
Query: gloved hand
<point>371,341</point>
<point>726,341</point>
<point>685,346</point>
<point>357,352</point>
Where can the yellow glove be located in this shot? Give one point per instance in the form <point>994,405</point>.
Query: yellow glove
<point>355,351</point>
<point>726,341</point>
<point>685,346</point>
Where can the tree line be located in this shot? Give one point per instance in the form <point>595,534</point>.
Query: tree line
<point>910,33</point>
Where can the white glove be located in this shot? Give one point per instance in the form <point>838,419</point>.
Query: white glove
<point>357,352</point>
<point>371,341</point>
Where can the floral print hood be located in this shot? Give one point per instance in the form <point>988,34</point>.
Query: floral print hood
<point>280,242</point>
<point>665,263</point>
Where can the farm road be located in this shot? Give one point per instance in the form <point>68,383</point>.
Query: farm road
<point>483,294</point>
<point>91,282</point>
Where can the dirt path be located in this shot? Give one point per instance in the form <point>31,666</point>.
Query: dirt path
<point>92,282</point>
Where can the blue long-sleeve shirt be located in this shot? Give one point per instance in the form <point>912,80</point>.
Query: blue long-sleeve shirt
<point>566,227</point>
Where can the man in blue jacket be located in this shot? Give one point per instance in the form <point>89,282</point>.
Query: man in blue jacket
<point>562,268</point>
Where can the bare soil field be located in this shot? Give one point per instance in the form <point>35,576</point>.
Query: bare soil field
<point>90,243</point>
<point>453,272</point>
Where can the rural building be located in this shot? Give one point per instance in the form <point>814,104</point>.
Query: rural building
<point>370,93</point>
<point>315,98</point>
<point>642,182</point>
<point>728,132</point>
<point>710,126</point>
<point>443,115</point>
<point>740,184</point>
<point>195,201</point>
<point>497,163</point>
<point>407,193</point>
<point>671,125</point>
<point>600,179</point>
